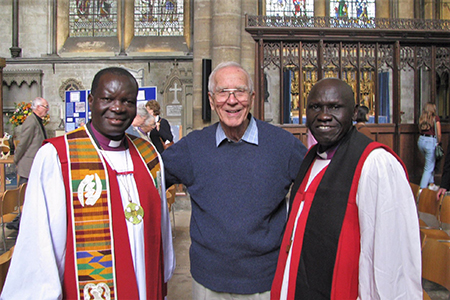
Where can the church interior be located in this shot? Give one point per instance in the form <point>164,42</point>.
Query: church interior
<point>395,54</point>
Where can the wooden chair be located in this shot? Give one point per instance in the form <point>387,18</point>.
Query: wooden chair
<point>443,230</point>
<point>170,196</point>
<point>428,207</point>
<point>5,260</point>
<point>415,189</point>
<point>423,238</point>
<point>9,209</point>
<point>436,263</point>
<point>22,189</point>
<point>444,214</point>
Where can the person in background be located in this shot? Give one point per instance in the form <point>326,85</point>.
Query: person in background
<point>430,136</point>
<point>362,116</point>
<point>445,179</point>
<point>161,134</point>
<point>141,115</point>
<point>95,221</point>
<point>30,139</point>
<point>353,231</point>
<point>147,126</point>
<point>237,172</point>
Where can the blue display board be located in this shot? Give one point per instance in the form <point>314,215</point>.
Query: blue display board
<point>77,111</point>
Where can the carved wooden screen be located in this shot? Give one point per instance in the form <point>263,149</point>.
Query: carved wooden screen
<point>356,63</point>
<point>394,67</point>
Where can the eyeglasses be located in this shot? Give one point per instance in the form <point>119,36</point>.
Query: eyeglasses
<point>44,106</point>
<point>224,94</point>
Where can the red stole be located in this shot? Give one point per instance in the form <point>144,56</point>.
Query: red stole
<point>126,285</point>
<point>344,277</point>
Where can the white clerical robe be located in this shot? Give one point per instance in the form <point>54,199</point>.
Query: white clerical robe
<point>390,263</point>
<point>37,266</point>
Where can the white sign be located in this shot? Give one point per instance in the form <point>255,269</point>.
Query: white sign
<point>173,110</point>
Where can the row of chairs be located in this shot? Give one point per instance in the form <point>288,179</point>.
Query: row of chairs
<point>434,219</point>
<point>11,205</point>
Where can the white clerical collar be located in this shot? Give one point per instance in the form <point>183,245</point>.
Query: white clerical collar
<point>114,144</point>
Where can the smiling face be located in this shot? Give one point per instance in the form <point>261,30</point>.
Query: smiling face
<point>330,111</point>
<point>232,112</point>
<point>113,104</point>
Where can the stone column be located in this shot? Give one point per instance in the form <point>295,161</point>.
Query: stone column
<point>247,42</point>
<point>406,9</point>
<point>202,49</point>
<point>226,31</point>
<point>15,49</point>
<point>220,35</point>
<point>121,25</point>
<point>382,9</point>
<point>320,8</point>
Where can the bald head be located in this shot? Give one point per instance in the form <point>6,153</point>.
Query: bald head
<point>330,111</point>
<point>333,85</point>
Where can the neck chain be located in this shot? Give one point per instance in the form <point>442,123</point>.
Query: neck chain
<point>134,213</point>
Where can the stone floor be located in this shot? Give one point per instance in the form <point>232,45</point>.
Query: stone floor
<point>180,286</point>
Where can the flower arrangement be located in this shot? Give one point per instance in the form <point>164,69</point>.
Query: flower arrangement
<point>22,111</point>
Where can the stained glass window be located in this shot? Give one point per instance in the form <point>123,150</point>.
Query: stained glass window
<point>158,18</point>
<point>89,18</point>
<point>359,9</point>
<point>290,8</point>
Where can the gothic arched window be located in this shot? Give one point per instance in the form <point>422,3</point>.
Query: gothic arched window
<point>92,18</point>
<point>290,8</point>
<point>158,18</point>
<point>359,9</point>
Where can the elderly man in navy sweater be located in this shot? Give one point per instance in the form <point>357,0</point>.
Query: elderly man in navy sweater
<point>237,172</point>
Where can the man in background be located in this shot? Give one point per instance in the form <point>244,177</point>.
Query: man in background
<point>30,139</point>
<point>237,172</point>
<point>141,116</point>
<point>147,126</point>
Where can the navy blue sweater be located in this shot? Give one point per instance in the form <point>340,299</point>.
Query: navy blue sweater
<point>238,204</point>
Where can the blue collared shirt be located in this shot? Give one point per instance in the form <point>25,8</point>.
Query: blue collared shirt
<point>250,134</point>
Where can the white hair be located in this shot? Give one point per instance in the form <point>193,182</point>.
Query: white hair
<point>148,120</point>
<point>142,111</point>
<point>36,102</point>
<point>226,64</point>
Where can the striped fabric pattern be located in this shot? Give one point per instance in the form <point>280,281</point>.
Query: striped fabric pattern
<point>92,223</point>
<point>151,159</point>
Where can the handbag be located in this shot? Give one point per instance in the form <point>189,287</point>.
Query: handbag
<point>438,151</point>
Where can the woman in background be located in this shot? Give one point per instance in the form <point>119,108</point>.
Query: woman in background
<point>361,118</point>
<point>161,134</point>
<point>430,136</point>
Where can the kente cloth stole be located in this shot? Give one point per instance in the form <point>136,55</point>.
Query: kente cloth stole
<point>93,240</point>
<point>150,158</point>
